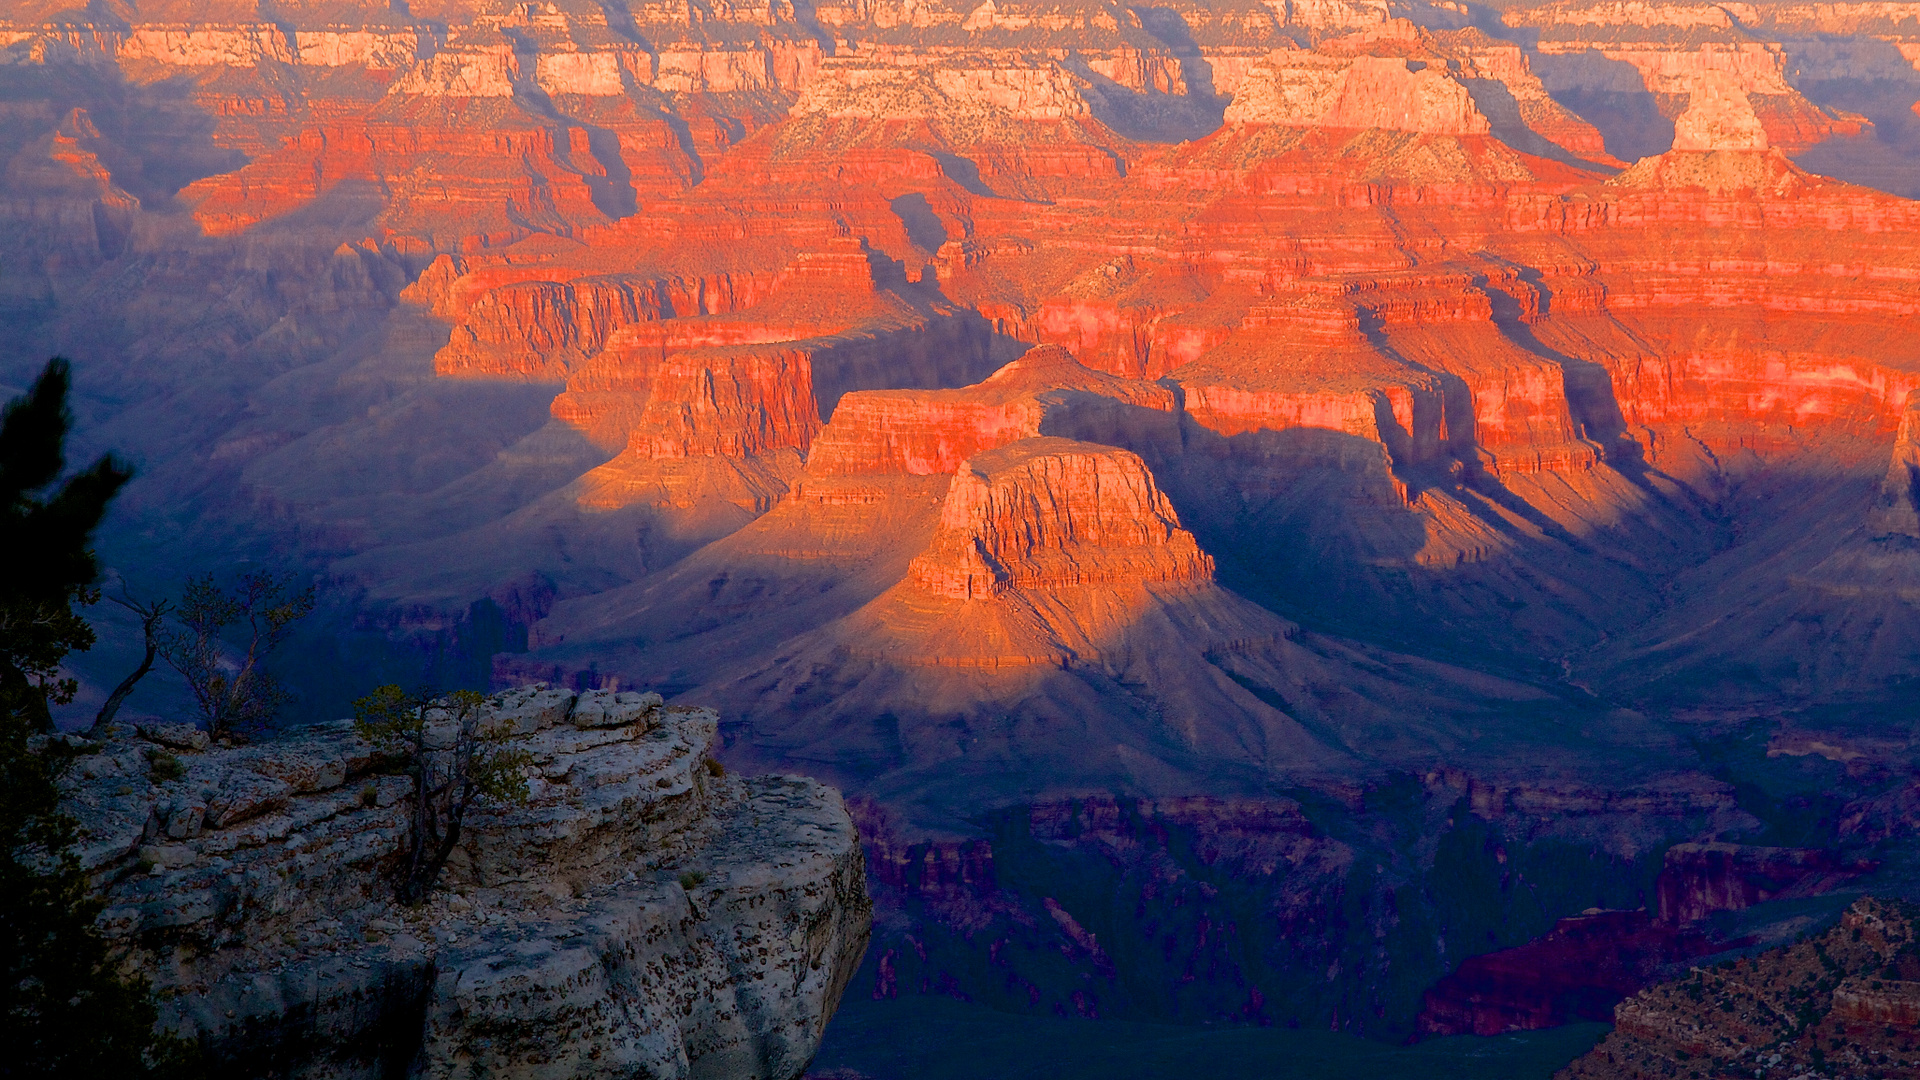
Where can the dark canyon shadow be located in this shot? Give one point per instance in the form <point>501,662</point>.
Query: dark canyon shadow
<point>1292,910</point>
<point>1156,112</point>
<point>279,402</point>
<point>1869,78</point>
<point>923,226</point>
<point>1612,96</point>
<point>1502,111</point>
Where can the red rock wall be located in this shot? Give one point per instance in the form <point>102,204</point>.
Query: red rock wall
<point>1047,513</point>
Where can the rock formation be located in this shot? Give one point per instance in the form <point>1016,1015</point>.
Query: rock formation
<point>1718,116</point>
<point>1044,391</point>
<point>1897,511</point>
<point>1046,514</point>
<point>640,912</point>
<point>1846,1000</point>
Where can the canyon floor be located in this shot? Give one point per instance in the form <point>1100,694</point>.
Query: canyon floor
<point>1394,520</point>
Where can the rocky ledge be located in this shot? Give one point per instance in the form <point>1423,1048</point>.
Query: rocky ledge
<point>1841,1004</point>
<point>641,915</point>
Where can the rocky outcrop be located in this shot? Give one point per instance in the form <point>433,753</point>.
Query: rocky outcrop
<point>1044,391</point>
<point>1046,514</point>
<point>1718,116</point>
<point>1896,512</point>
<point>1387,93</point>
<point>641,912</point>
<point>1044,553</point>
<point>1844,1002</point>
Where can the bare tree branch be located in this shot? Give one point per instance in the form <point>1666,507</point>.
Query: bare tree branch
<point>151,616</point>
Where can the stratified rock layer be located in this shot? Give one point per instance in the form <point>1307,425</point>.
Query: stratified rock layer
<point>640,915</point>
<point>1846,1003</point>
<point>1048,514</point>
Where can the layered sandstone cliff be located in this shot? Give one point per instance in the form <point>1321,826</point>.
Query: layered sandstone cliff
<point>640,912</point>
<point>1046,552</point>
<point>1043,392</point>
<point>1047,513</point>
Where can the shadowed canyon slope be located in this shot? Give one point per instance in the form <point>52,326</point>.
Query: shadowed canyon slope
<point>1081,431</point>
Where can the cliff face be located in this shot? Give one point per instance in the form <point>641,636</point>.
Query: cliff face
<point>638,913</point>
<point>723,408</point>
<point>1897,511</point>
<point>1044,391</point>
<point>1047,514</point>
<point>1846,1000</point>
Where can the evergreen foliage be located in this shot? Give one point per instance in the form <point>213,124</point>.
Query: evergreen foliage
<point>64,1010</point>
<point>44,541</point>
<point>239,697</point>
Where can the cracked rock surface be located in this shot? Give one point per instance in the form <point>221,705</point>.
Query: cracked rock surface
<point>639,916</point>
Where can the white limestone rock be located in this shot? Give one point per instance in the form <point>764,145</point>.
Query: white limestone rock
<point>640,915</point>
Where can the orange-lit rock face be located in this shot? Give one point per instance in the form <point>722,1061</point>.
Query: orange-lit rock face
<point>1438,327</point>
<point>1045,391</point>
<point>735,400</point>
<point>1718,116</point>
<point>1045,514</point>
<point>730,403</point>
<point>547,189</point>
<point>1384,93</point>
<point>958,393</point>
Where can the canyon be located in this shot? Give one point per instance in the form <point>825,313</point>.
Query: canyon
<point>1417,497</point>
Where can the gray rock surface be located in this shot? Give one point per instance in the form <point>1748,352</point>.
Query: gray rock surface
<point>641,915</point>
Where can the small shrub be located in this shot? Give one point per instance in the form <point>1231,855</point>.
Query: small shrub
<point>235,697</point>
<point>714,768</point>
<point>448,778</point>
<point>691,878</point>
<point>369,796</point>
<point>165,766</point>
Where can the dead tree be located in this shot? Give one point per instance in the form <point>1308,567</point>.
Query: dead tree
<point>151,617</point>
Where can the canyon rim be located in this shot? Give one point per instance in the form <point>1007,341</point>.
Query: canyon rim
<point>1355,533</point>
